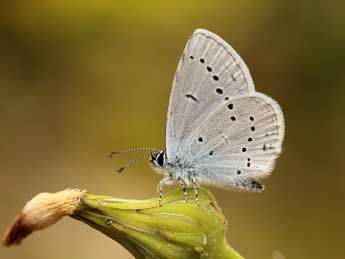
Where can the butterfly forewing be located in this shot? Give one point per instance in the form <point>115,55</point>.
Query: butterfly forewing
<point>209,73</point>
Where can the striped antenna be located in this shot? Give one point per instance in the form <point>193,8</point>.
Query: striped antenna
<point>115,153</point>
<point>133,162</point>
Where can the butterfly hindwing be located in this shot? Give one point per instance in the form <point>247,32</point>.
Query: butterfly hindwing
<point>238,142</point>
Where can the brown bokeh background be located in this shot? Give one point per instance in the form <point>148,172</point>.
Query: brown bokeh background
<point>81,78</point>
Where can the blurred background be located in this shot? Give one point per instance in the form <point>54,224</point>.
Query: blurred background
<point>81,78</point>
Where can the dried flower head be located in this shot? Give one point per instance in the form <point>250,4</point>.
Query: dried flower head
<point>41,212</point>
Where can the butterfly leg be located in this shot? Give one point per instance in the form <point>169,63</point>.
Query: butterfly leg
<point>183,185</point>
<point>195,185</point>
<point>161,184</point>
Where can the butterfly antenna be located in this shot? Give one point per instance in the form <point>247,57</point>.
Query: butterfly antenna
<point>133,162</point>
<point>115,153</point>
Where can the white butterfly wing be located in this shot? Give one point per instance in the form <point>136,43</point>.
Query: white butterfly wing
<point>239,141</point>
<point>209,72</point>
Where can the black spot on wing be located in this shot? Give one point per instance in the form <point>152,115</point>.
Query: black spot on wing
<point>254,185</point>
<point>191,97</point>
<point>215,78</point>
<point>219,90</point>
<point>250,184</point>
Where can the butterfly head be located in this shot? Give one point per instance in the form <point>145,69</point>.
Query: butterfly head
<point>158,159</point>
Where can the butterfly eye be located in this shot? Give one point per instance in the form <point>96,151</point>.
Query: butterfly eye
<point>160,159</point>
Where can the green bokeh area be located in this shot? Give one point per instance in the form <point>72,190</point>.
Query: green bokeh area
<point>79,79</point>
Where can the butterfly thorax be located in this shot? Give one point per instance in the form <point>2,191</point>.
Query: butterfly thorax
<point>177,168</point>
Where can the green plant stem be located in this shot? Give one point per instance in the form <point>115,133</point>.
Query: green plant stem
<point>174,230</point>
<point>229,253</point>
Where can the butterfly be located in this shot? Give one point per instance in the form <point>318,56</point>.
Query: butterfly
<point>220,131</point>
